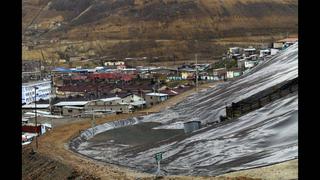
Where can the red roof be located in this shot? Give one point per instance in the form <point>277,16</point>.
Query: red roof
<point>119,76</point>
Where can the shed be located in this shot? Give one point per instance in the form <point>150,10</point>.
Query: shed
<point>155,98</point>
<point>191,126</point>
<point>58,108</point>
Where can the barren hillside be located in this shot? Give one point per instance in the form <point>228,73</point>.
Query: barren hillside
<point>158,27</point>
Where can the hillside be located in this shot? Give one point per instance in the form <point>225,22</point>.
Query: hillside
<point>124,28</point>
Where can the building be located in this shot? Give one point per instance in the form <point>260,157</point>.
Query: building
<point>126,104</point>
<point>274,51</point>
<point>250,64</point>
<point>114,63</point>
<point>187,73</point>
<point>30,107</point>
<point>155,98</point>
<point>234,50</point>
<point>69,107</point>
<point>249,51</point>
<point>220,74</point>
<point>72,110</point>
<point>28,91</point>
<point>264,52</point>
<point>191,126</point>
<point>234,72</point>
<point>103,104</point>
<point>241,63</point>
<point>283,43</point>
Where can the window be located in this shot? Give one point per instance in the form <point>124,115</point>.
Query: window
<point>150,97</point>
<point>151,104</point>
<point>69,110</point>
<point>120,109</point>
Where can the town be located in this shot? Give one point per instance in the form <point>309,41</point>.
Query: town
<point>69,94</point>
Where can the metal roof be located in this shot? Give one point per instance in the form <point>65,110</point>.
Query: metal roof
<point>71,103</point>
<point>156,94</point>
<point>109,99</point>
<point>35,83</point>
<point>39,106</point>
<point>73,107</point>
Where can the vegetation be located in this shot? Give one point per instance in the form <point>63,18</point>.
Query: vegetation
<point>228,63</point>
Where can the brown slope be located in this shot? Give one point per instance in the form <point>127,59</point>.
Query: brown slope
<point>182,22</point>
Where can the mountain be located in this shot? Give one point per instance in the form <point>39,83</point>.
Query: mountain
<point>135,28</point>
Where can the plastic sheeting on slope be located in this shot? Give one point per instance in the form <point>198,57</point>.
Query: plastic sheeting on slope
<point>265,136</point>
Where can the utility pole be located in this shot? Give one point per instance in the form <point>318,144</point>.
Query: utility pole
<point>93,122</point>
<point>35,114</point>
<point>41,63</point>
<point>196,56</point>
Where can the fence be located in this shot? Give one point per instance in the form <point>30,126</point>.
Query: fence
<point>261,99</point>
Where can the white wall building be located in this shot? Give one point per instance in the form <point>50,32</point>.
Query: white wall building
<point>250,64</point>
<point>28,91</point>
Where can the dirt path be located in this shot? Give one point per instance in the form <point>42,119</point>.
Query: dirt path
<point>285,170</point>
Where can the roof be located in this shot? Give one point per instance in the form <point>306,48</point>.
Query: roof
<point>73,107</point>
<point>71,103</point>
<point>109,99</point>
<point>288,40</point>
<point>39,106</point>
<point>35,83</point>
<point>249,49</point>
<point>170,92</point>
<point>187,70</point>
<point>156,94</point>
<point>135,103</point>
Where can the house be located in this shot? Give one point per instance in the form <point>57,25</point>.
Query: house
<point>187,73</point>
<point>249,51</point>
<point>31,107</point>
<point>103,104</point>
<point>250,64</point>
<point>241,63</point>
<point>72,110</point>
<point>174,78</point>
<point>32,128</point>
<point>273,51</point>
<point>78,58</point>
<point>205,76</point>
<point>164,71</point>
<point>219,74</point>
<point>283,43</point>
<point>125,104</point>
<point>114,63</point>
<point>229,74</point>
<point>264,53</point>
<point>155,98</point>
<point>234,50</point>
<point>68,107</point>
<point>234,72</point>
